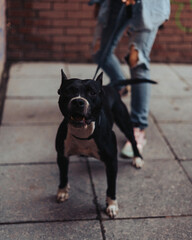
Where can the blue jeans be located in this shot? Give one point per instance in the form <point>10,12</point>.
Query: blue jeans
<point>143,41</point>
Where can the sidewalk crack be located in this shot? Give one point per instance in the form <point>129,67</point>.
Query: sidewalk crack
<point>99,217</point>
<point>170,147</point>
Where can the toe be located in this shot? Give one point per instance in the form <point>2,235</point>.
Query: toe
<point>112,211</point>
<point>63,194</point>
<point>61,197</point>
<point>112,207</point>
<point>138,162</point>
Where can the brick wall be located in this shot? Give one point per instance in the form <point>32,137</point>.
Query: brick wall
<point>62,30</point>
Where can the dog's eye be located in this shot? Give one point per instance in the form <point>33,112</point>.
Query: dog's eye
<point>92,92</point>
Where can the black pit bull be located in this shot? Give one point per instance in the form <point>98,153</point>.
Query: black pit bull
<point>89,110</point>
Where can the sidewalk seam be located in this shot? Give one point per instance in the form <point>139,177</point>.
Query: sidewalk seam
<point>46,221</point>
<point>180,77</point>
<point>96,201</point>
<point>87,219</point>
<point>169,146</point>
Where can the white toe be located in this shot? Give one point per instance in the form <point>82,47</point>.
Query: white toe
<point>112,207</point>
<point>63,194</point>
<point>138,162</point>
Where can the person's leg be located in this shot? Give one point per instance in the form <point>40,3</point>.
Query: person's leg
<point>140,45</point>
<point>110,64</point>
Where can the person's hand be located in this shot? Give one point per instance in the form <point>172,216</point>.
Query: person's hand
<point>128,2</point>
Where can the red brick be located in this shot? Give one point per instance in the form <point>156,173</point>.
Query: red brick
<point>15,21</point>
<point>86,7</point>
<point>90,23</point>
<point>76,47</point>
<point>50,31</point>
<point>65,39</point>
<point>37,22</point>
<point>14,4</point>
<point>60,30</point>
<point>171,39</point>
<point>52,14</point>
<point>79,15</point>
<point>21,13</point>
<point>44,46</point>
<point>85,39</point>
<point>36,38</point>
<point>174,46</point>
<point>41,55</point>
<point>78,31</point>
<point>187,37</point>
<point>57,47</point>
<point>15,55</point>
<point>66,6</point>
<point>59,55</point>
<point>65,22</point>
<point>41,5</point>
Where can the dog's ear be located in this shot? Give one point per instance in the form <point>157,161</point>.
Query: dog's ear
<point>63,78</point>
<point>100,79</point>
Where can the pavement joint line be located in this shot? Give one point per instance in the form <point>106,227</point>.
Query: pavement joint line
<point>47,221</point>
<point>96,201</point>
<point>9,97</point>
<point>149,217</point>
<point>35,163</point>
<point>175,122</point>
<point>170,147</point>
<point>129,161</point>
<point>22,124</point>
<point>80,160</point>
<point>172,97</point>
<point>92,219</point>
<point>185,160</point>
<point>162,134</point>
<point>186,173</point>
<point>180,77</point>
<point>33,124</point>
<point>26,164</point>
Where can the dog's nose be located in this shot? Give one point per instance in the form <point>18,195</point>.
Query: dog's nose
<point>80,103</point>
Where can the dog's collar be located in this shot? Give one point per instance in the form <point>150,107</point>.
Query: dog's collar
<point>88,138</point>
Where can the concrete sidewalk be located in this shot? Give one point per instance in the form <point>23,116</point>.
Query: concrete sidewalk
<point>155,202</point>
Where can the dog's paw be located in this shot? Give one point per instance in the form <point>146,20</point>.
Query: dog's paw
<point>112,207</point>
<point>138,162</point>
<point>63,194</point>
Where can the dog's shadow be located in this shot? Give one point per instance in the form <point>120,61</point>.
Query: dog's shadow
<point>70,209</point>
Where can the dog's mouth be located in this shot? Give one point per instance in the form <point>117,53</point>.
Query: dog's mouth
<point>79,120</point>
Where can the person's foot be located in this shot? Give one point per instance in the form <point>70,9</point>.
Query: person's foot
<point>140,138</point>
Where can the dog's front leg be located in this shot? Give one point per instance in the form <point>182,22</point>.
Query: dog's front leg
<point>63,191</point>
<point>112,205</point>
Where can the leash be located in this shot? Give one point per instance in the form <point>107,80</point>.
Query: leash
<point>101,60</point>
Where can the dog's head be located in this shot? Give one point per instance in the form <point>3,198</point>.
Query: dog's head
<point>80,100</point>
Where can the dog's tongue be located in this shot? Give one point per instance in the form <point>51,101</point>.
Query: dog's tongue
<point>78,118</point>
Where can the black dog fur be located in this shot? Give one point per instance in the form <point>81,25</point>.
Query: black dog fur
<point>89,110</point>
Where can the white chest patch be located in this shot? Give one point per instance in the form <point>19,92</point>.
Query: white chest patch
<point>74,146</point>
